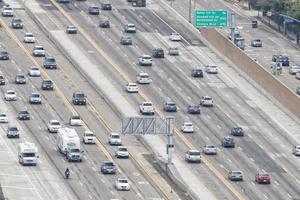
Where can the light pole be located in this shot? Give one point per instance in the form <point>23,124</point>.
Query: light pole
<point>190,11</point>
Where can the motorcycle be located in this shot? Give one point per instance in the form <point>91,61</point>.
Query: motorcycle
<point>67,174</point>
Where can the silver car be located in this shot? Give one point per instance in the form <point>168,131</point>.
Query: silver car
<point>294,69</point>
<point>210,150</point>
<point>235,175</point>
<point>35,98</point>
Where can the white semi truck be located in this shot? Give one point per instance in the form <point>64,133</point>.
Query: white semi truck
<point>27,153</point>
<point>68,143</point>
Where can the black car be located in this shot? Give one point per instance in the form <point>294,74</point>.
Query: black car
<point>106,6</point>
<point>2,80</point>
<point>79,98</point>
<point>108,167</point>
<point>104,23</point>
<point>198,73</point>
<point>170,107</point>
<point>47,84</point>
<point>158,53</point>
<point>4,55</point>
<point>16,23</point>
<point>237,131</point>
<point>20,79</point>
<point>23,115</point>
<point>94,10</point>
<point>228,142</point>
<point>193,109</point>
<point>126,40</point>
<point>49,63</point>
<point>284,60</point>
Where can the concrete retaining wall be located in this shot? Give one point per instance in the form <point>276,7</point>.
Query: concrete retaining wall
<point>254,70</point>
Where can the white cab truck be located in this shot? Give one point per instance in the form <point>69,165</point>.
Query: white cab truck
<point>68,143</point>
<point>28,153</point>
<point>146,108</point>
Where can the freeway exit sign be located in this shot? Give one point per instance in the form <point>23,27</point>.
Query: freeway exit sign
<point>210,18</point>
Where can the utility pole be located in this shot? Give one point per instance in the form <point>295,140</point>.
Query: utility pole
<point>190,11</point>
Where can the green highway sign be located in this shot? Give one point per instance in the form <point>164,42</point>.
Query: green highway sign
<point>210,18</point>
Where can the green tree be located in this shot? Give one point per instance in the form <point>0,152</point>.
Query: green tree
<point>294,11</point>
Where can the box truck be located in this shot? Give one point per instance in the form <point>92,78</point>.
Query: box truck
<point>28,153</point>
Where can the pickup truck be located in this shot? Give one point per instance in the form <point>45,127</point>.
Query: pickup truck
<point>146,108</point>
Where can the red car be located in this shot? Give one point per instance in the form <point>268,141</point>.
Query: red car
<point>193,109</point>
<point>263,178</point>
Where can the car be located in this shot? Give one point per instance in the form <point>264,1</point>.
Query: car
<point>158,53</point>
<point>130,28</point>
<point>122,184</point>
<point>53,126</point>
<point>47,84</point>
<point>38,51</point>
<point>114,139</point>
<point>235,175</point>
<point>88,137</point>
<point>34,71</point>
<point>29,38</point>
<point>145,60</point>
<point>7,11</point>
<point>228,142</point>
<point>3,118</point>
<point>12,132</point>
<point>197,73</point>
<point>2,80</point>
<point>170,106</point>
<point>173,51</point>
<point>106,6</point>
<point>16,23</point>
<point>146,108</point>
<point>4,55</point>
<point>237,131</point>
<point>71,29</point>
<point>49,62</point>
<point>256,43</point>
<point>294,69</point>
<point>297,75</point>
<point>235,35</point>
<point>209,150</point>
<point>263,178</point>
<point>75,120</point>
<point>193,155</point>
<point>126,40</point>
<point>35,98</point>
<point>104,23</point>
<point>175,37</point>
<point>108,167</point>
<point>143,78</point>
<point>187,127</point>
<point>296,150</point>
<point>94,10</point>
<point>20,79</point>
<point>283,59</point>
<point>193,109</point>
<point>79,98</point>
<point>122,152</point>
<point>132,88</point>
<point>10,95</point>
<point>298,90</point>
<point>206,101</point>
<point>211,69</point>
<point>276,67</point>
<point>23,115</point>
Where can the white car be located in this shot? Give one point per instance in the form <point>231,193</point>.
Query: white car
<point>132,88</point>
<point>206,101</point>
<point>146,108</point>
<point>75,120</point>
<point>175,37</point>
<point>7,11</point>
<point>89,137</point>
<point>3,118</point>
<point>294,69</point>
<point>143,78</point>
<point>297,75</point>
<point>187,127</point>
<point>38,51</point>
<point>211,69</point>
<point>34,71</point>
<point>122,184</point>
<point>296,150</point>
<point>145,60</point>
<point>130,28</point>
<point>114,139</point>
<point>193,155</point>
<point>53,126</point>
<point>209,150</point>
<point>122,152</point>
<point>10,95</point>
<point>29,38</point>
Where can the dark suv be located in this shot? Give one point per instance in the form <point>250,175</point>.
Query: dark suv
<point>158,53</point>
<point>49,62</point>
<point>94,10</point>
<point>237,131</point>
<point>4,55</point>
<point>193,109</point>
<point>284,60</point>
<point>228,142</point>
<point>16,23</point>
<point>79,98</point>
<point>170,107</point>
<point>108,167</point>
<point>47,84</point>
<point>197,73</point>
<point>20,79</point>
<point>23,115</point>
<point>106,6</point>
<point>104,23</point>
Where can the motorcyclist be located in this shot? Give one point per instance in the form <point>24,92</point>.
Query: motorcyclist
<point>67,173</point>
